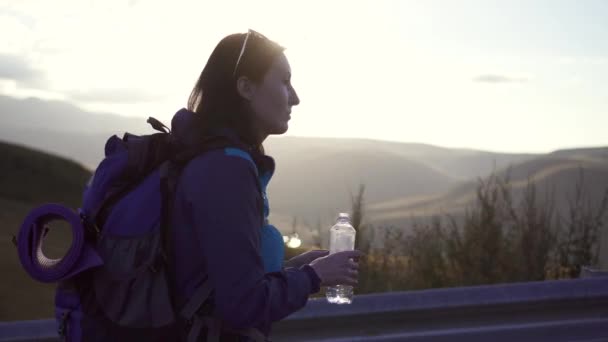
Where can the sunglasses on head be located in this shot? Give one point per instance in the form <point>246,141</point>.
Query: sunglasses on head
<point>250,33</point>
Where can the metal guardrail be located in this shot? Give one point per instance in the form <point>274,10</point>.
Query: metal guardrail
<point>561,310</point>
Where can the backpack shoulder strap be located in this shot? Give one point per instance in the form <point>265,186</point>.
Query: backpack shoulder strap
<point>237,152</point>
<point>169,175</point>
<point>191,312</point>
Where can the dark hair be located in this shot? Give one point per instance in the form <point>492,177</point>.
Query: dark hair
<point>215,97</point>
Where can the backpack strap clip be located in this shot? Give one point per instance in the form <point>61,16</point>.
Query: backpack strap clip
<point>157,125</point>
<point>91,227</point>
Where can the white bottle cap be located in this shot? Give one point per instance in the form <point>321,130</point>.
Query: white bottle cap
<point>342,216</point>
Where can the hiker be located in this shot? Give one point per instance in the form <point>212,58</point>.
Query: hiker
<point>172,241</point>
<point>244,92</point>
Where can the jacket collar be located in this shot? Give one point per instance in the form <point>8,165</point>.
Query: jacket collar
<point>187,133</point>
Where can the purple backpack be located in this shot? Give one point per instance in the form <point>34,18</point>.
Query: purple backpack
<point>114,283</point>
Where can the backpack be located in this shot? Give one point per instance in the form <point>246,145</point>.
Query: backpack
<point>115,283</point>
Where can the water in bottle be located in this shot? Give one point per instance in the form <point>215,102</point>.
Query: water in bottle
<point>342,238</point>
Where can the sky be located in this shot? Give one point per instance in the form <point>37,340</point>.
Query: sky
<point>504,76</point>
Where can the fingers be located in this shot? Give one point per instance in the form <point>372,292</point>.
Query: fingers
<point>341,268</point>
<point>316,254</point>
<point>353,272</point>
<point>351,277</point>
<point>343,259</point>
<point>350,281</point>
<point>349,254</point>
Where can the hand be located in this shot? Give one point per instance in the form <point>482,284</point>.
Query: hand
<point>306,258</point>
<point>341,268</point>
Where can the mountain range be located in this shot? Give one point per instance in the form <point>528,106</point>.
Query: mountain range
<point>316,177</point>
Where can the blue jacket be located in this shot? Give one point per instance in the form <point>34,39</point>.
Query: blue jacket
<point>219,222</point>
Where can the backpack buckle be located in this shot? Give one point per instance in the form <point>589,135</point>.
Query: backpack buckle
<point>90,226</point>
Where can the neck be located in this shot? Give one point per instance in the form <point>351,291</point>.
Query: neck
<point>258,136</point>
<point>260,139</point>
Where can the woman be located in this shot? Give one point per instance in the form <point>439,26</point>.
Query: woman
<point>221,237</point>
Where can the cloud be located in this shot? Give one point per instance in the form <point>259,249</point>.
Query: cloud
<point>116,96</point>
<point>494,78</point>
<point>16,68</point>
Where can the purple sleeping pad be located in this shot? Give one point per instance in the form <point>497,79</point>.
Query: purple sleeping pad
<point>80,255</point>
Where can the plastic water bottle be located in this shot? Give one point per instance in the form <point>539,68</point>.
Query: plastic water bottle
<point>341,238</point>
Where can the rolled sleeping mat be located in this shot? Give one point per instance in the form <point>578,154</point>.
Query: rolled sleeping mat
<point>79,257</point>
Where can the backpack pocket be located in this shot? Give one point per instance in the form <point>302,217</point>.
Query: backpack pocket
<point>132,286</point>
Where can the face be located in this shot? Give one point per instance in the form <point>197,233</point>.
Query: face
<point>272,99</point>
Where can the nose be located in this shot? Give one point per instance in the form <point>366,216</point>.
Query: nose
<point>294,100</point>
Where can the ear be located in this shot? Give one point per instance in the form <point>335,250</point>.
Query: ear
<point>245,87</point>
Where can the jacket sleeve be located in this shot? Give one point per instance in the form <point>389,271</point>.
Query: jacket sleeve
<point>223,197</point>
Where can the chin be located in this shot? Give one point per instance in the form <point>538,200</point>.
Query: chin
<point>280,129</point>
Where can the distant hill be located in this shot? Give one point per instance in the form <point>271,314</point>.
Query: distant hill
<point>61,116</point>
<point>86,148</point>
<point>314,176</point>
<point>29,178</point>
<point>61,128</point>
<point>458,164</point>
<point>596,153</point>
<point>555,174</point>
<point>322,182</point>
